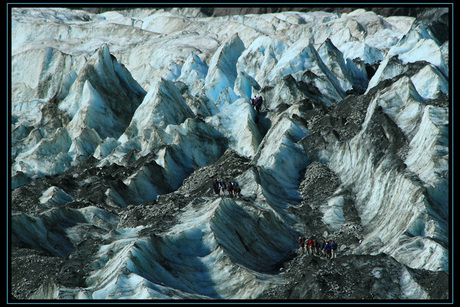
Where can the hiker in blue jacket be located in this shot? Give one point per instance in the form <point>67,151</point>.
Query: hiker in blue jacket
<point>327,249</point>
<point>333,249</point>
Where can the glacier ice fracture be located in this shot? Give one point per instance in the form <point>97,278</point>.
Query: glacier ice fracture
<point>167,154</point>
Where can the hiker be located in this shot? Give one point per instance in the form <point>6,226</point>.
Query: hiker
<point>222,187</point>
<point>302,244</point>
<point>215,186</point>
<point>310,246</point>
<point>333,249</point>
<point>235,189</point>
<point>230,191</point>
<point>316,247</point>
<point>253,102</point>
<point>259,104</point>
<point>322,246</point>
<point>327,249</point>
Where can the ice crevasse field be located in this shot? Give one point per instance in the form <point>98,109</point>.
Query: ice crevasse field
<point>120,122</point>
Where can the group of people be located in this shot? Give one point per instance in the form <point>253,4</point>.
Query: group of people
<point>219,187</point>
<point>256,102</point>
<point>325,248</point>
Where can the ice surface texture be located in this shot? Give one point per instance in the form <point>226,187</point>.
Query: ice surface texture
<point>122,120</point>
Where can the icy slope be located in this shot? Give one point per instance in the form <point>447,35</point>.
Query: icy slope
<point>128,117</point>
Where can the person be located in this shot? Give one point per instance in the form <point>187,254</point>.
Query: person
<point>302,244</point>
<point>333,249</point>
<point>253,102</point>
<point>310,246</point>
<point>230,191</point>
<point>327,249</point>
<point>259,104</point>
<point>323,244</point>
<point>215,186</point>
<point>222,187</point>
<point>235,189</point>
<point>316,247</point>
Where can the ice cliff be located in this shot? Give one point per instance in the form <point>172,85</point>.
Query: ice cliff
<point>120,122</point>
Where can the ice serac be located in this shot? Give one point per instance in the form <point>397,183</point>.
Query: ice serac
<point>279,151</point>
<point>417,44</point>
<point>163,105</point>
<point>193,73</point>
<point>346,72</point>
<point>195,145</point>
<point>302,61</point>
<point>378,164</point>
<point>236,123</point>
<point>259,58</point>
<point>222,71</point>
<point>51,74</point>
<point>54,196</point>
<point>115,153</point>
<point>98,105</point>
<point>112,81</point>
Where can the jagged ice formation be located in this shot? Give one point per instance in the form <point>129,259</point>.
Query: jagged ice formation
<point>122,120</point>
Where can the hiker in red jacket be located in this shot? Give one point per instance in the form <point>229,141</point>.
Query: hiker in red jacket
<point>310,246</point>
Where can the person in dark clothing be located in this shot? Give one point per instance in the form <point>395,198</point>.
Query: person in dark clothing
<point>327,249</point>
<point>235,189</point>
<point>316,247</point>
<point>323,244</point>
<point>259,103</point>
<point>302,244</point>
<point>333,249</point>
<point>215,186</point>
<point>222,187</point>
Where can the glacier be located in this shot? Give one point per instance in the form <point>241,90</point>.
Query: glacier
<point>121,121</point>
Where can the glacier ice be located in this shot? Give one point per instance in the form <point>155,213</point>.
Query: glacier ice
<point>122,120</point>
<point>222,71</point>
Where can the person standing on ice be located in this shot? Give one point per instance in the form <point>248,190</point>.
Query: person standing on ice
<point>327,249</point>
<point>254,102</point>
<point>234,189</point>
<point>215,186</point>
<point>310,246</point>
<point>259,102</point>
<point>316,247</point>
<point>230,191</point>
<point>222,187</point>
<point>333,249</point>
<point>323,244</point>
<point>302,244</point>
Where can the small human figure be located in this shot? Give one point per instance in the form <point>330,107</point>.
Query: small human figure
<point>215,186</point>
<point>230,191</point>
<point>253,102</point>
<point>310,246</point>
<point>259,103</point>
<point>302,244</point>
<point>323,244</point>
<point>222,187</point>
<point>327,249</point>
<point>235,189</point>
<point>316,245</point>
<point>333,249</point>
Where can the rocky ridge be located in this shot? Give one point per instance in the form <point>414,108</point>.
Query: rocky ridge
<point>351,144</point>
